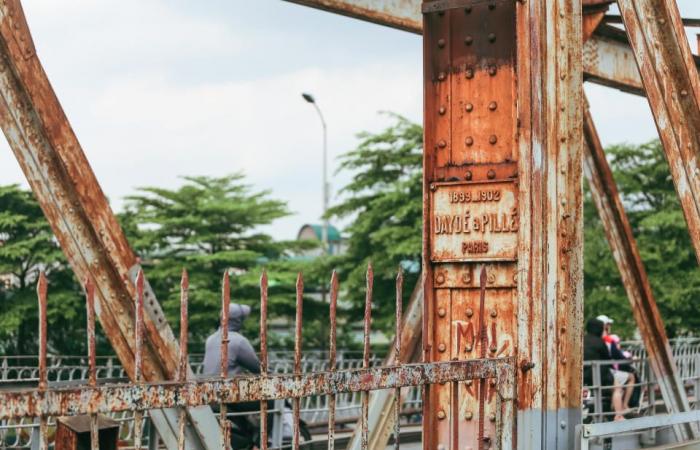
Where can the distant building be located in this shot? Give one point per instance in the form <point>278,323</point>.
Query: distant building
<point>312,232</point>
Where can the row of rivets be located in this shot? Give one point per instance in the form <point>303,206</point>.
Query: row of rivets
<point>469,107</point>
<point>469,141</point>
<point>468,8</point>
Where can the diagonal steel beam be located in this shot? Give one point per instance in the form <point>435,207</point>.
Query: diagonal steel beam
<point>671,82</point>
<point>56,168</point>
<point>634,277</point>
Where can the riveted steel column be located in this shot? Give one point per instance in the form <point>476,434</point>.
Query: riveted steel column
<point>471,217</point>
<point>671,82</point>
<point>52,159</point>
<point>624,249</point>
<point>550,297</point>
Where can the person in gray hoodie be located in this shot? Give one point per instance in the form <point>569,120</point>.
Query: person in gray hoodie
<point>242,360</point>
<point>241,354</point>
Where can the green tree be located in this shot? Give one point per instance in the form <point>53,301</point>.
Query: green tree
<point>383,199</point>
<point>656,217</point>
<point>209,225</point>
<point>27,246</point>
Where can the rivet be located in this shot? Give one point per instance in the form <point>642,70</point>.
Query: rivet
<point>563,359</point>
<point>468,175</point>
<point>492,417</point>
<point>493,139</point>
<point>494,313</point>
<point>492,70</point>
<point>469,141</point>
<point>564,298</point>
<point>492,37</point>
<point>441,415</point>
<point>441,43</point>
<point>468,348</point>
<point>469,107</point>
<point>562,330</point>
<point>563,392</point>
<point>442,348</point>
<point>491,174</point>
<point>468,415</point>
<point>466,278</point>
<point>493,106</point>
<point>442,110</point>
<point>662,21</point>
<point>440,279</point>
<point>442,76</point>
<point>562,424</point>
<point>469,382</point>
<point>441,312</point>
<point>469,73</point>
<point>442,144</point>
<point>468,9</point>
<point>493,382</point>
<point>562,76</point>
<point>468,40</point>
<point>562,139</point>
<point>493,349</point>
<point>684,93</point>
<point>469,312</point>
<point>433,187</point>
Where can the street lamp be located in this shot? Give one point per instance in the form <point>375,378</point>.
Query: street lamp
<point>324,233</point>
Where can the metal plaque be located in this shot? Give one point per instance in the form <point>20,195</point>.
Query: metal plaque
<point>474,221</point>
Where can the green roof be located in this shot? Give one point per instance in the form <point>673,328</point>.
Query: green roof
<point>333,233</point>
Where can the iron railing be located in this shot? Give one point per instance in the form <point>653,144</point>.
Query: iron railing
<point>111,394</point>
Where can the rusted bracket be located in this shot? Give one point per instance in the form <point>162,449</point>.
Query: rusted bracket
<point>624,249</point>
<point>656,34</point>
<point>56,168</point>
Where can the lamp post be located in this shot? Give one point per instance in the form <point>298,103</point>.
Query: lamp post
<point>324,232</point>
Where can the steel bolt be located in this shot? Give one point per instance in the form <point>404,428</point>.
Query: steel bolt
<point>469,107</point>
<point>442,144</point>
<point>468,348</point>
<point>493,139</point>
<point>491,174</point>
<point>492,417</point>
<point>494,313</point>
<point>441,43</point>
<point>468,175</point>
<point>468,40</point>
<point>469,73</point>
<point>440,279</point>
<point>562,424</point>
<point>468,415</point>
<point>442,110</point>
<point>469,312</point>
<point>441,312</point>
<point>469,141</point>
<point>442,76</point>
<point>442,348</point>
<point>492,37</point>
<point>492,70</point>
<point>441,415</point>
<point>493,106</point>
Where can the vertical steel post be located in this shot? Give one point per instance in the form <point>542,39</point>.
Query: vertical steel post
<point>503,197</point>
<point>624,249</point>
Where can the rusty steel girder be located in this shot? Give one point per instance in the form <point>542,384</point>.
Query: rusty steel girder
<point>502,253</point>
<point>634,277</point>
<point>56,168</point>
<point>667,67</point>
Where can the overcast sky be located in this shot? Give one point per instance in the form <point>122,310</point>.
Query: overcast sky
<point>159,89</point>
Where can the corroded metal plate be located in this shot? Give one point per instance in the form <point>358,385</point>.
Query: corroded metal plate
<point>474,221</point>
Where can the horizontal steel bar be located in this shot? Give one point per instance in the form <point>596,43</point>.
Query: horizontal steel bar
<point>641,423</point>
<point>113,398</point>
